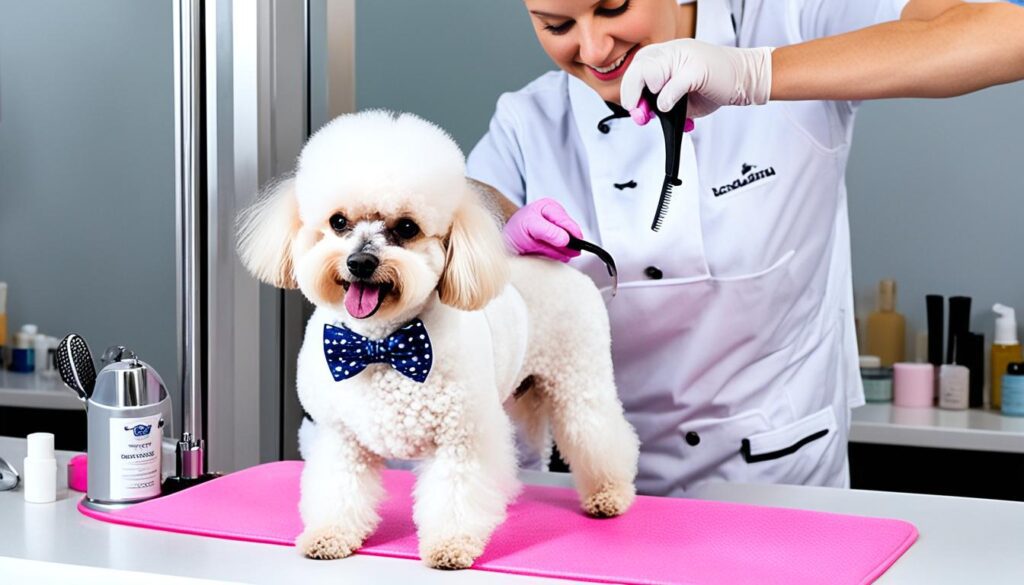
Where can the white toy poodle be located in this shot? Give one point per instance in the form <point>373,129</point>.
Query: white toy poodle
<point>428,339</point>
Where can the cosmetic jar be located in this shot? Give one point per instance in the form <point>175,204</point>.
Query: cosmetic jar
<point>876,379</point>
<point>913,384</point>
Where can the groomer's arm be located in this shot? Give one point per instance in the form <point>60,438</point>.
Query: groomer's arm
<point>939,48</point>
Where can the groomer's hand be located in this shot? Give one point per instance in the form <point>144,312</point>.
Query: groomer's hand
<point>542,227</point>
<point>714,76</point>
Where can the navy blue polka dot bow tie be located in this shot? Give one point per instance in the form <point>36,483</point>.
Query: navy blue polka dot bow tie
<point>407,350</point>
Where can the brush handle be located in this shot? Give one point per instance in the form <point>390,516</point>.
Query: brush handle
<point>673,125</point>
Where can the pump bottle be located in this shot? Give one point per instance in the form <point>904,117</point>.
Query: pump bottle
<point>1005,349</point>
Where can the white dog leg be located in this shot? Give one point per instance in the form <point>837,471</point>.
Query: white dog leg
<point>595,438</point>
<point>461,496</point>
<point>340,490</point>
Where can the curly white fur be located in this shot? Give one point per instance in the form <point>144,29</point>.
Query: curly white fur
<point>495,322</point>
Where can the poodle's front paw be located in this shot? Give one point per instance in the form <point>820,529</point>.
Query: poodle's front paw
<point>611,499</point>
<point>457,552</point>
<point>328,542</point>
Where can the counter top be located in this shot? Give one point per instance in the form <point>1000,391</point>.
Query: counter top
<point>962,540</point>
<point>973,429</point>
<point>36,391</point>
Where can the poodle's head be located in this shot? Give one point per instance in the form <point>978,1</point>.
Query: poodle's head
<point>378,217</point>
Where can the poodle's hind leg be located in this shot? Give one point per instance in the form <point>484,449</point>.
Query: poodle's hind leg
<point>340,490</point>
<point>593,435</point>
<point>569,356</point>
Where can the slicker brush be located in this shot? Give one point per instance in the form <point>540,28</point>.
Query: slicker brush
<point>74,362</point>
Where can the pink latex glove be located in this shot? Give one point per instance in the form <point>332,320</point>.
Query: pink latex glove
<point>543,228</point>
<point>642,114</point>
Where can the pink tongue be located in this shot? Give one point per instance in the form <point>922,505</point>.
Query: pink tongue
<point>361,299</point>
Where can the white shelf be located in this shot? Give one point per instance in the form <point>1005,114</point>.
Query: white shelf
<point>974,429</point>
<point>36,391</point>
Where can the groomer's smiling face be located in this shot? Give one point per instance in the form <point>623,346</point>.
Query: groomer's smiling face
<point>596,40</point>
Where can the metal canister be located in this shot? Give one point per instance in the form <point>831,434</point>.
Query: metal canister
<point>126,414</point>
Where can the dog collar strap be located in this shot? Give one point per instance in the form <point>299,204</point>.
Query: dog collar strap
<point>407,350</point>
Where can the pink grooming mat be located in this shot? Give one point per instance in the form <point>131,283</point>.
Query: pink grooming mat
<point>660,540</point>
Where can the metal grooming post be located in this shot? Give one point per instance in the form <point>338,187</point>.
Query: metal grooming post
<point>188,184</point>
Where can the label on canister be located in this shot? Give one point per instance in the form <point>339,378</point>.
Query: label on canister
<point>135,457</point>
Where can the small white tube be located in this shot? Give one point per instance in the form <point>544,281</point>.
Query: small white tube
<point>40,469</point>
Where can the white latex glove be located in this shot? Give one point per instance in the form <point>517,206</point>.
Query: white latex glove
<point>713,75</point>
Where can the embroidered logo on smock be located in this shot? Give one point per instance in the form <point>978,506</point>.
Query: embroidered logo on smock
<point>750,175</point>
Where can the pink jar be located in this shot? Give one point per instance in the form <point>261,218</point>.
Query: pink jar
<point>913,385</point>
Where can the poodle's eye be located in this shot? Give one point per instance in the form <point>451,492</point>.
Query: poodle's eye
<point>406,229</point>
<point>338,222</point>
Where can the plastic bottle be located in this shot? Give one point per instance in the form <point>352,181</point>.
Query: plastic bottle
<point>40,346</point>
<point>1005,349</point>
<point>954,387</point>
<point>1013,390</point>
<point>23,354</point>
<point>40,469</point>
<point>887,328</point>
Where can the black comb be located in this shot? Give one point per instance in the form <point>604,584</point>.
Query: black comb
<point>672,124</point>
<point>74,362</point>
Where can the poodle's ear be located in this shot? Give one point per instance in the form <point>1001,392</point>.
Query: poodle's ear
<point>266,231</point>
<point>476,265</point>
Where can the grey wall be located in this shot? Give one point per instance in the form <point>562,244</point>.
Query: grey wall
<point>936,202</point>
<point>935,197</point>
<point>445,61</point>
<point>87,235</point>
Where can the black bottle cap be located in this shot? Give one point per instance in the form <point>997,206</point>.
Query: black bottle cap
<point>934,305</point>
<point>1015,369</point>
<point>958,350</point>
<point>959,324</point>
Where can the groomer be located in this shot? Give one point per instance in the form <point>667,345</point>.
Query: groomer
<point>733,330</point>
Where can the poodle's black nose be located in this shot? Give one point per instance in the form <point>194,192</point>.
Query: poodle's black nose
<point>362,265</point>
